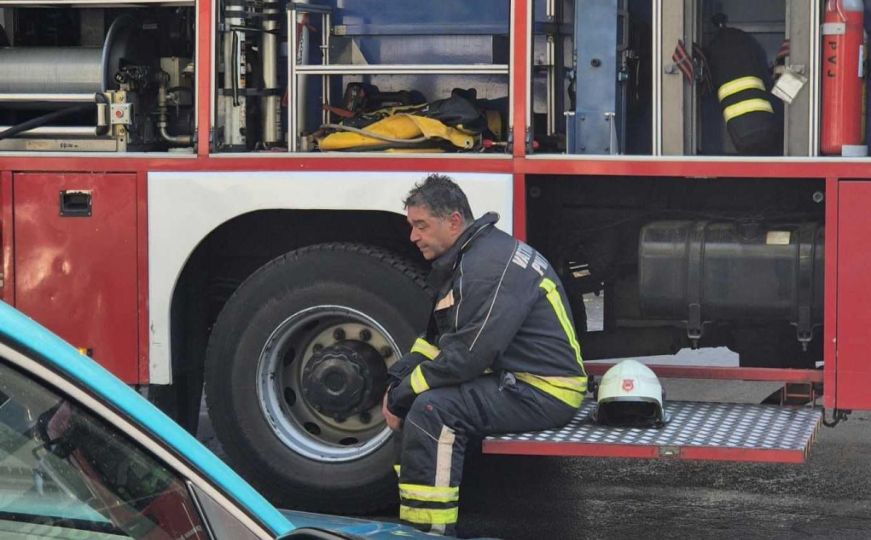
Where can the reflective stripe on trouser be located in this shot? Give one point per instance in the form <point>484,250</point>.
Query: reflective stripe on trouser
<point>437,429</point>
<point>429,501</point>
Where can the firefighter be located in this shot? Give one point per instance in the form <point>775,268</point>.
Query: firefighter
<point>500,353</point>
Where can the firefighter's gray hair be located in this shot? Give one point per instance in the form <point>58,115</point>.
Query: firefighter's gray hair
<point>441,195</point>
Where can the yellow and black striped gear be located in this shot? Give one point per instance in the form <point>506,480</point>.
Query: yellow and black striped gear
<point>740,75</point>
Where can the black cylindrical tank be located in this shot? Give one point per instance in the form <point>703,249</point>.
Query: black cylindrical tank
<point>703,271</point>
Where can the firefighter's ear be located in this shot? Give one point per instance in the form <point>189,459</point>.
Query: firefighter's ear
<point>457,222</point>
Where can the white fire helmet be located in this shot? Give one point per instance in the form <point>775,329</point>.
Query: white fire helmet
<point>629,395</point>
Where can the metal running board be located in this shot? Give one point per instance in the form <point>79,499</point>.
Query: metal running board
<point>697,431</point>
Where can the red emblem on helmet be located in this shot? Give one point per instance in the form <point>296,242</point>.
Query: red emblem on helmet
<point>628,385</point>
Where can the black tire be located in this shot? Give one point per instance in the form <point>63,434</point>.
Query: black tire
<point>274,454</point>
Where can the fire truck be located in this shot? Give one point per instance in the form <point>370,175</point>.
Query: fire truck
<point>206,197</point>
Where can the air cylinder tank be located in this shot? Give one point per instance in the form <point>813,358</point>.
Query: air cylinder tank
<point>700,272</point>
<point>55,73</point>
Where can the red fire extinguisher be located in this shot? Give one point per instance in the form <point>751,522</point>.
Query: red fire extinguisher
<point>843,78</point>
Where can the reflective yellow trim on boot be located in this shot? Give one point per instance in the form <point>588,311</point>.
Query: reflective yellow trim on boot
<point>421,492</point>
<point>428,516</point>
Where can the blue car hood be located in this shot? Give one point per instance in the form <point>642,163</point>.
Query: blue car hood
<point>352,526</point>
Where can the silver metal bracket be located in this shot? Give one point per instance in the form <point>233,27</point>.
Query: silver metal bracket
<point>121,114</point>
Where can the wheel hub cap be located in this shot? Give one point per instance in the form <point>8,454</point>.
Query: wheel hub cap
<point>345,378</point>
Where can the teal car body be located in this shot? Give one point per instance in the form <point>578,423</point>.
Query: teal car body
<point>29,350</point>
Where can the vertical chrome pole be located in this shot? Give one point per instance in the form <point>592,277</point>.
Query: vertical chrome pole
<point>657,78</point>
<point>270,103</point>
<point>292,100</point>
<point>234,74</point>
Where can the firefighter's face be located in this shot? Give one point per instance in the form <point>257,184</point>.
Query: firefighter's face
<point>431,234</point>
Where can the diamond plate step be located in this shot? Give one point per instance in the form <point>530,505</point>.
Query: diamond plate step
<point>698,430</point>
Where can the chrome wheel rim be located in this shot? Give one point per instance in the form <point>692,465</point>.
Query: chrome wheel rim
<point>281,396</point>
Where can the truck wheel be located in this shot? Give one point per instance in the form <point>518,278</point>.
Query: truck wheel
<point>296,370</point>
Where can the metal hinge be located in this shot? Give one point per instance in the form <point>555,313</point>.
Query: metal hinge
<point>669,451</point>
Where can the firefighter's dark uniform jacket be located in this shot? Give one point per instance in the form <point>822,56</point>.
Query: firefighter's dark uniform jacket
<point>500,355</point>
<point>499,307</point>
<point>739,71</point>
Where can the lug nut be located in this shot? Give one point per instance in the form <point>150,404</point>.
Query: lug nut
<point>386,352</point>
<point>365,417</point>
<point>365,334</point>
<point>317,347</point>
<point>338,334</point>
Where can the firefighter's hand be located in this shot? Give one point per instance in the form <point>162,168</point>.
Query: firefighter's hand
<point>393,422</point>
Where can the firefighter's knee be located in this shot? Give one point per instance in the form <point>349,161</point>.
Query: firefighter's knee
<point>423,421</point>
<point>423,404</point>
<point>432,405</point>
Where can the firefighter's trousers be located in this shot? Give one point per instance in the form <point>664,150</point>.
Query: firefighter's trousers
<point>439,425</point>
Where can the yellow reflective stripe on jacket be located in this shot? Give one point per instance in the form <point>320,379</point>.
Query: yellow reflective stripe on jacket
<point>558,387</point>
<point>556,302</point>
<point>425,348</point>
<point>397,468</point>
<point>420,492</point>
<point>576,384</point>
<point>428,516</point>
<point>747,106</point>
<point>739,85</point>
<point>418,383</point>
